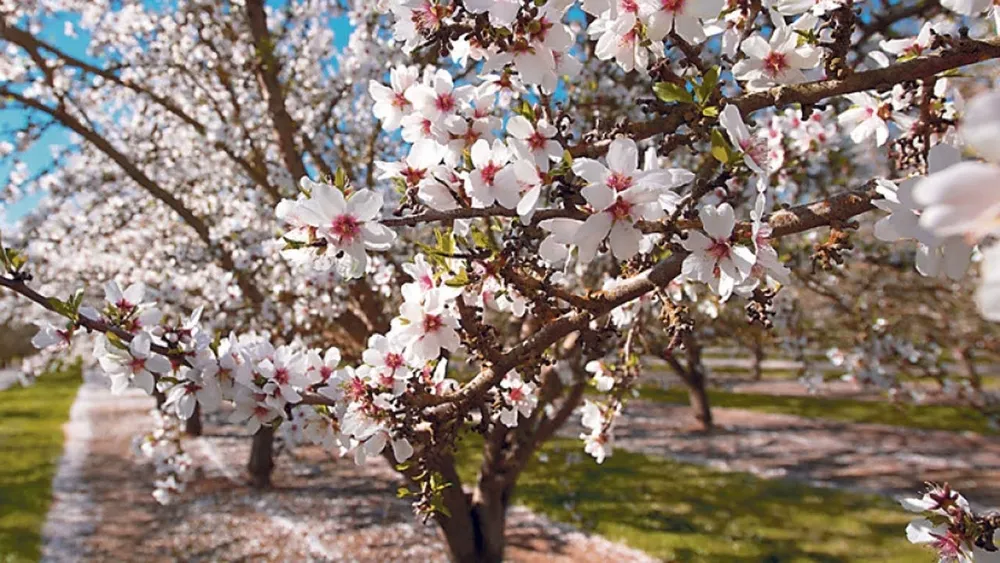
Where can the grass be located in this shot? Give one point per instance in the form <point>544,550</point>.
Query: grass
<point>683,512</point>
<point>31,440</point>
<point>926,417</point>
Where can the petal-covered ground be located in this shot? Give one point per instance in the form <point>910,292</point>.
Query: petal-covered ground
<point>890,460</point>
<point>321,508</point>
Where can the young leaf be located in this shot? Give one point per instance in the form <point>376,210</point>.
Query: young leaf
<point>3,257</point>
<point>526,111</point>
<point>720,148</point>
<point>670,92</point>
<point>461,279</point>
<point>707,86</point>
<point>340,179</point>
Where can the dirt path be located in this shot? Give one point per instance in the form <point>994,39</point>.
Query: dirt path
<point>321,509</point>
<point>871,457</point>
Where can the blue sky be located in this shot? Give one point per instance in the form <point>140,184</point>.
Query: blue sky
<point>39,154</point>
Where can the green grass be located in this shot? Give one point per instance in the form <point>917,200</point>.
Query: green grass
<point>683,512</point>
<point>31,440</point>
<point>926,417</point>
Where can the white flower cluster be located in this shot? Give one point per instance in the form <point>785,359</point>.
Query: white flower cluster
<point>443,121</point>
<point>360,412</point>
<point>599,421</point>
<point>955,206</point>
<point>330,227</point>
<point>537,51</point>
<point>949,526</point>
<point>163,447</point>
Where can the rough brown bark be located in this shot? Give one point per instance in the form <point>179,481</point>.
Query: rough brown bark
<point>261,462</point>
<point>475,529</point>
<point>698,397</point>
<point>272,90</point>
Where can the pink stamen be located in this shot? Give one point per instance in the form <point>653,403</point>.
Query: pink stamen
<point>619,182</point>
<point>345,227</point>
<point>432,323</point>
<point>775,63</point>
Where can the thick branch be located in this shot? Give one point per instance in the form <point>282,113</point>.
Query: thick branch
<point>270,85</point>
<point>963,52</point>
<point>19,287</point>
<point>794,220</point>
<point>200,227</point>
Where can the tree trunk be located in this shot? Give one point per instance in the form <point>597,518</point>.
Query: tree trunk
<point>698,398</point>
<point>475,530</point>
<point>192,426</point>
<point>477,523</point>
<point>693,376</point>
<point>262,458</point>
<point>473,526</point>
<point>758,359</point>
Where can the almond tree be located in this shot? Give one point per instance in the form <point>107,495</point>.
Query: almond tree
<point>539,174</point>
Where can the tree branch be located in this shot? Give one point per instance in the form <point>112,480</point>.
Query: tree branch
<point>786,222</point>
<point>200,227</point>
<point>962,52</point>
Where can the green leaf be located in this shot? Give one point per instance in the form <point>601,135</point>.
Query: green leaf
<point>670,92</point>
<point>526,111</point>
<point>445,244</point>
<point>481,239</point>
<point>703,91</point>
<point>115,341</point>
<point>720,148</point>
<point>444,510</point>
<point>16,259</point>
<point>340,179</point>
<point>711,111</point>
<point>68,308</point>
<point>292,244</point>
<point>461,279</point>
<point>76,300</point>
<point>399,184</point>
<point>3,257</point>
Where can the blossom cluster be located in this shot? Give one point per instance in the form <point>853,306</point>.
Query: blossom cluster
<point>354,409</point>
<point>536,199</point>
<point>954,207</point>
<point>950,527</point>
<point>163,446</point>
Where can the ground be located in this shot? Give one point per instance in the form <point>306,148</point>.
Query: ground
<point>658,493</point>
<point>30,445</point>
<point>322,508</point>
<point>888,460</point>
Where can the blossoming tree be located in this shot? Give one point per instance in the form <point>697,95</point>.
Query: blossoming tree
<point>535,178</point>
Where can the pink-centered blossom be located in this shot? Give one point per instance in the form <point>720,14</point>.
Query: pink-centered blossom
<point>716,259</point>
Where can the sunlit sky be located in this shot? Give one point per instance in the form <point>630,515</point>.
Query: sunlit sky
<point>39,154</point>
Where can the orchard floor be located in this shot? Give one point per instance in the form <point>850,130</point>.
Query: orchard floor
<point>875,458</point>
<point>326,509</point>
<point>321,508</point>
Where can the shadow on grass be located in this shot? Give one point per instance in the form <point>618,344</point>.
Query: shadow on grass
<point>31,441</point>
<point>684,512</point>
<point>924,417</point>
